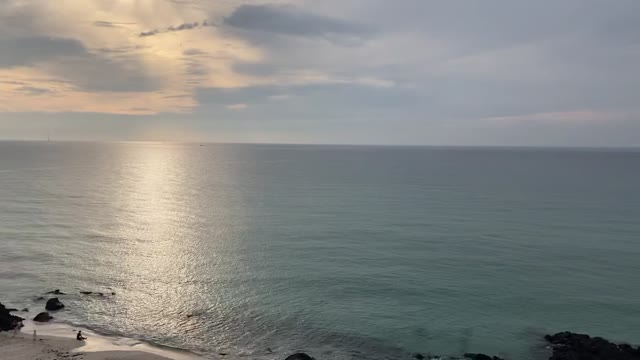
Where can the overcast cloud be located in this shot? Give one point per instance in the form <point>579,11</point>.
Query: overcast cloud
<point>509,72</point>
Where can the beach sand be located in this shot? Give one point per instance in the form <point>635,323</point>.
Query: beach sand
<point>22,347</point>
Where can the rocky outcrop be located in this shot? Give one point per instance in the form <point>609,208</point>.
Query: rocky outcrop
<point>8,321</point>
<point>53,304</point>
<point>480,357</point>
<point>299,356</point>
<point>569,346</point>
<point>43,317</point>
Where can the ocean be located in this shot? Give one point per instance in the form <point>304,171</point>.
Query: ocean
<point>345,252</point>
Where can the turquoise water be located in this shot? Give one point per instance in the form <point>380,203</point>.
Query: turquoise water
<point>345,252</point>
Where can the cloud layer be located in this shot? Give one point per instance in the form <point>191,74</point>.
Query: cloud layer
<point>364,71</point>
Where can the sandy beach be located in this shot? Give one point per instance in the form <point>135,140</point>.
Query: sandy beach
<point>23,347</point>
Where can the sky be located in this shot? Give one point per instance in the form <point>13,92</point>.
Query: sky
<point>404,72</point>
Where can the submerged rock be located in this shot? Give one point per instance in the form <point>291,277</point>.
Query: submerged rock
<point>43,317</point>
<point>53,304</point>
<point>25,310</point>
<point>480,357</point>
<point>8,321</point>
<point>86,292</point>
<point>568,346</point>
<point>299,356</point>
<point>418,356</point>
<point>55,292</point>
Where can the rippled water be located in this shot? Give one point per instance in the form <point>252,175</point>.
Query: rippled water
<point>366,252</point>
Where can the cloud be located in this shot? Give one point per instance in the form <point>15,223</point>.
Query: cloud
<point>294,21</point>
<point>239,106</point>
<point>111,24</point>
<point>194,52</point>
<point>27,50</point>
<point>69,59</point>
<point>34,91</point>
<point>181,27</point>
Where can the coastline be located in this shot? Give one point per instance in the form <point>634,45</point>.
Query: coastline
<point>57,341</point>
<point>23,347</point>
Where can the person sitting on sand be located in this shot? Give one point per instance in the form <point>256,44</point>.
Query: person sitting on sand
<point>80,337</point>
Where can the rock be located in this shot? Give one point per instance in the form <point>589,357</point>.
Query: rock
<point>12,309</point>
<point>418,356</point>
<point>480,357</point>
<point>54,304</point>
<point>8,321</point>
<point>86,292</point>
<point>100,294</point>
<point>55,292</point>
<point>25,310</point>
<point>43,317</point>
<point>299,356</point>
<point>113,293</point>
<point>39,298</point>
<point>567,346</point>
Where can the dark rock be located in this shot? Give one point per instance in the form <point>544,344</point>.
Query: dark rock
<point>54,304</point>
<point>43,317</point>
<point>113,293</point>
<point>418,356</point>
<point>100,294</point>
<point>480,357</point>
<point>567,345</point>
<point>39,298</point>
<point>12,309</point>
<point>8,321</point>
<point>25,310</point>
<point>86,292</point>
<point>299,356</point>
<point>55,292</point>
<point>222,354</point>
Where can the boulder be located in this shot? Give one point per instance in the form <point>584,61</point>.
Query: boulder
<point>8,321</point>
<point>43,317</point>
<point>299,356</point>
<point>568,346</point>
<point>53,304</point>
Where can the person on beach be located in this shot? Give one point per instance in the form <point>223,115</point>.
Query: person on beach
<point>79,337</point>
<point>16,327</point>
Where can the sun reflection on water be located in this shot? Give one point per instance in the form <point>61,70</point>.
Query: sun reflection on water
<point>158,227</point>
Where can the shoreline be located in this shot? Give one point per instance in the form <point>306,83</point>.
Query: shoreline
<point>57,340</point>
<point>23,347</point>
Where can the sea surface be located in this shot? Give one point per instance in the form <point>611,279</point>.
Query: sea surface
<point>343,252</point>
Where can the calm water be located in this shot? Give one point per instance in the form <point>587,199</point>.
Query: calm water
<point>345,252</point>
